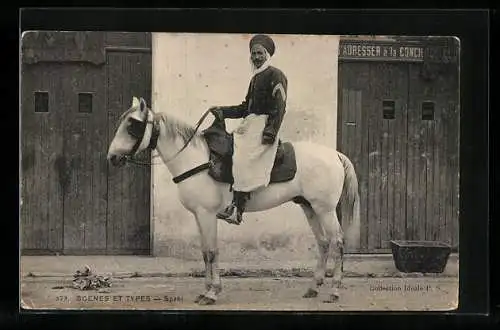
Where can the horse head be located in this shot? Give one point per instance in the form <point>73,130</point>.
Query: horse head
<point>133,133</point>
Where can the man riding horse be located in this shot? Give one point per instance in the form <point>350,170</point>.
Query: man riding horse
<point>256,139</point>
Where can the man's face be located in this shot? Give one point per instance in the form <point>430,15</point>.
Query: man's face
<point>258,55</point>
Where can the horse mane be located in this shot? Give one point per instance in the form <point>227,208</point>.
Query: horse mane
<point>175,128</point>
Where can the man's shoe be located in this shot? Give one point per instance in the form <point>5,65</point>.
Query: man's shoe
<point>231,215</point>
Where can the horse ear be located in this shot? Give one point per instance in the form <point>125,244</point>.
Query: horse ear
<point>135,102</point>
<point>143,104</point>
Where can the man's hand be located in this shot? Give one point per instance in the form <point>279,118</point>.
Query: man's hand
<point>267,139</point>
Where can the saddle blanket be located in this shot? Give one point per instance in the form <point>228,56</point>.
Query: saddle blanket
<point>220,144</point>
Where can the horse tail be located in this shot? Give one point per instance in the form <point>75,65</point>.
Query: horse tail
<point>349,203</point>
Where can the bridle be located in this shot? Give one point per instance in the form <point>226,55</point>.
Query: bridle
<point>137,130</point>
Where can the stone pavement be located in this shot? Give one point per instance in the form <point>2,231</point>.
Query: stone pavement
<point>147,266</point>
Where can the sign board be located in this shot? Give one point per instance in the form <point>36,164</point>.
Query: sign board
<point>378,51</point>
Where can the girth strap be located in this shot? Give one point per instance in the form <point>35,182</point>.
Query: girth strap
<point>192,172</point>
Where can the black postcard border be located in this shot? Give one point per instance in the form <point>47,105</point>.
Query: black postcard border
<point>471,27</point>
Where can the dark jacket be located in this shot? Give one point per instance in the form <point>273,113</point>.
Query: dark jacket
<point>266,95</point>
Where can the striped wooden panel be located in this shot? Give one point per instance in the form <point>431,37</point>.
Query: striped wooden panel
<point>42,175</point>
<point>128,75</point>
<point>85,198</point>
<point>407,166</point>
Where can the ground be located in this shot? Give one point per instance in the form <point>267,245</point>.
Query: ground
<point>370,283</point>
<point>246,293</point>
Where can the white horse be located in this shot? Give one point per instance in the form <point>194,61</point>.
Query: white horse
<point>324,179</point>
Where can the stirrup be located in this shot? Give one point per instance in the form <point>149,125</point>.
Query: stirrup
<point>227,212</point>
<point>230,215</point>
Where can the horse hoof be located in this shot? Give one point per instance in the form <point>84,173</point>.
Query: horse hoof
<point>333,298</point>
<point>206,301</point>
<point>310,293</point>
<point>199,298</point>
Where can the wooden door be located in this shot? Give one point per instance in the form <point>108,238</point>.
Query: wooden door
<point>85,132</point>
<point>43,176</point>
<point>71,96</point>
<point>433,150</point>
<point>387,161</point>
<point>372,132</point>
<point>128,74</point>
<point>401,132</point>
<point>64,159</point>
<point>352,132</point>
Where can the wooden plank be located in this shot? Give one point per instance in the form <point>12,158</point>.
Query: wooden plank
<point>358,118</point>
<point>37,188</point>
<point>344,145</point>
<point>28,193</point>
<point>421,163</point>
<point>75,215</point>
<point>351,102</point>
<point>452,169</point>
<point>55,194</point>
<point>63,46</point>
<point>422,196</point>
<point>397,87</point>
<point>98,163</point>
<point>439,187</point>
<point>445,199</point>
<point>455,170</point>
<point>430,222</point>
<point>413,183</point>
<point>386,74</point>
<point>400,157</point>
<point>360,76</point>
<point>86,216</point>
<point>393,86</point>
<point>363,77</point>
<point>437,141</point>
<point>374,167</point>
<point>128,39</point>
<point>42,204</point>
<point>43,181</point>
<point>128,74</point>
<point>420,91</point>
<point>430,228</point>
<point>352,130</point>
<point>449,99</point>
<point>113,104</point>
<point>57,118</point>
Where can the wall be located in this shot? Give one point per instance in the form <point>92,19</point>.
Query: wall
<point>192,72</point>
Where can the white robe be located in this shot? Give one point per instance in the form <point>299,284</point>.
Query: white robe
<point>252,160</point>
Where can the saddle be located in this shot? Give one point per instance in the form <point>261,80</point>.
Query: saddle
<point>220,144</point>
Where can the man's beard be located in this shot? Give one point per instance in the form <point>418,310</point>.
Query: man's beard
<point>254,68</point>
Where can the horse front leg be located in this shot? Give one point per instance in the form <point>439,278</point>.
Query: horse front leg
<point>207,225</point>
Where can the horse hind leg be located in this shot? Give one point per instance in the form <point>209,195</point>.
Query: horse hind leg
<point>323,247</point>
<point>331,225</point>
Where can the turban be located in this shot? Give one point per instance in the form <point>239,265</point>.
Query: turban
<point>264,41</point>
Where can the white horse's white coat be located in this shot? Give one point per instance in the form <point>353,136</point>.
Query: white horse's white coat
<point>324,179</point>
